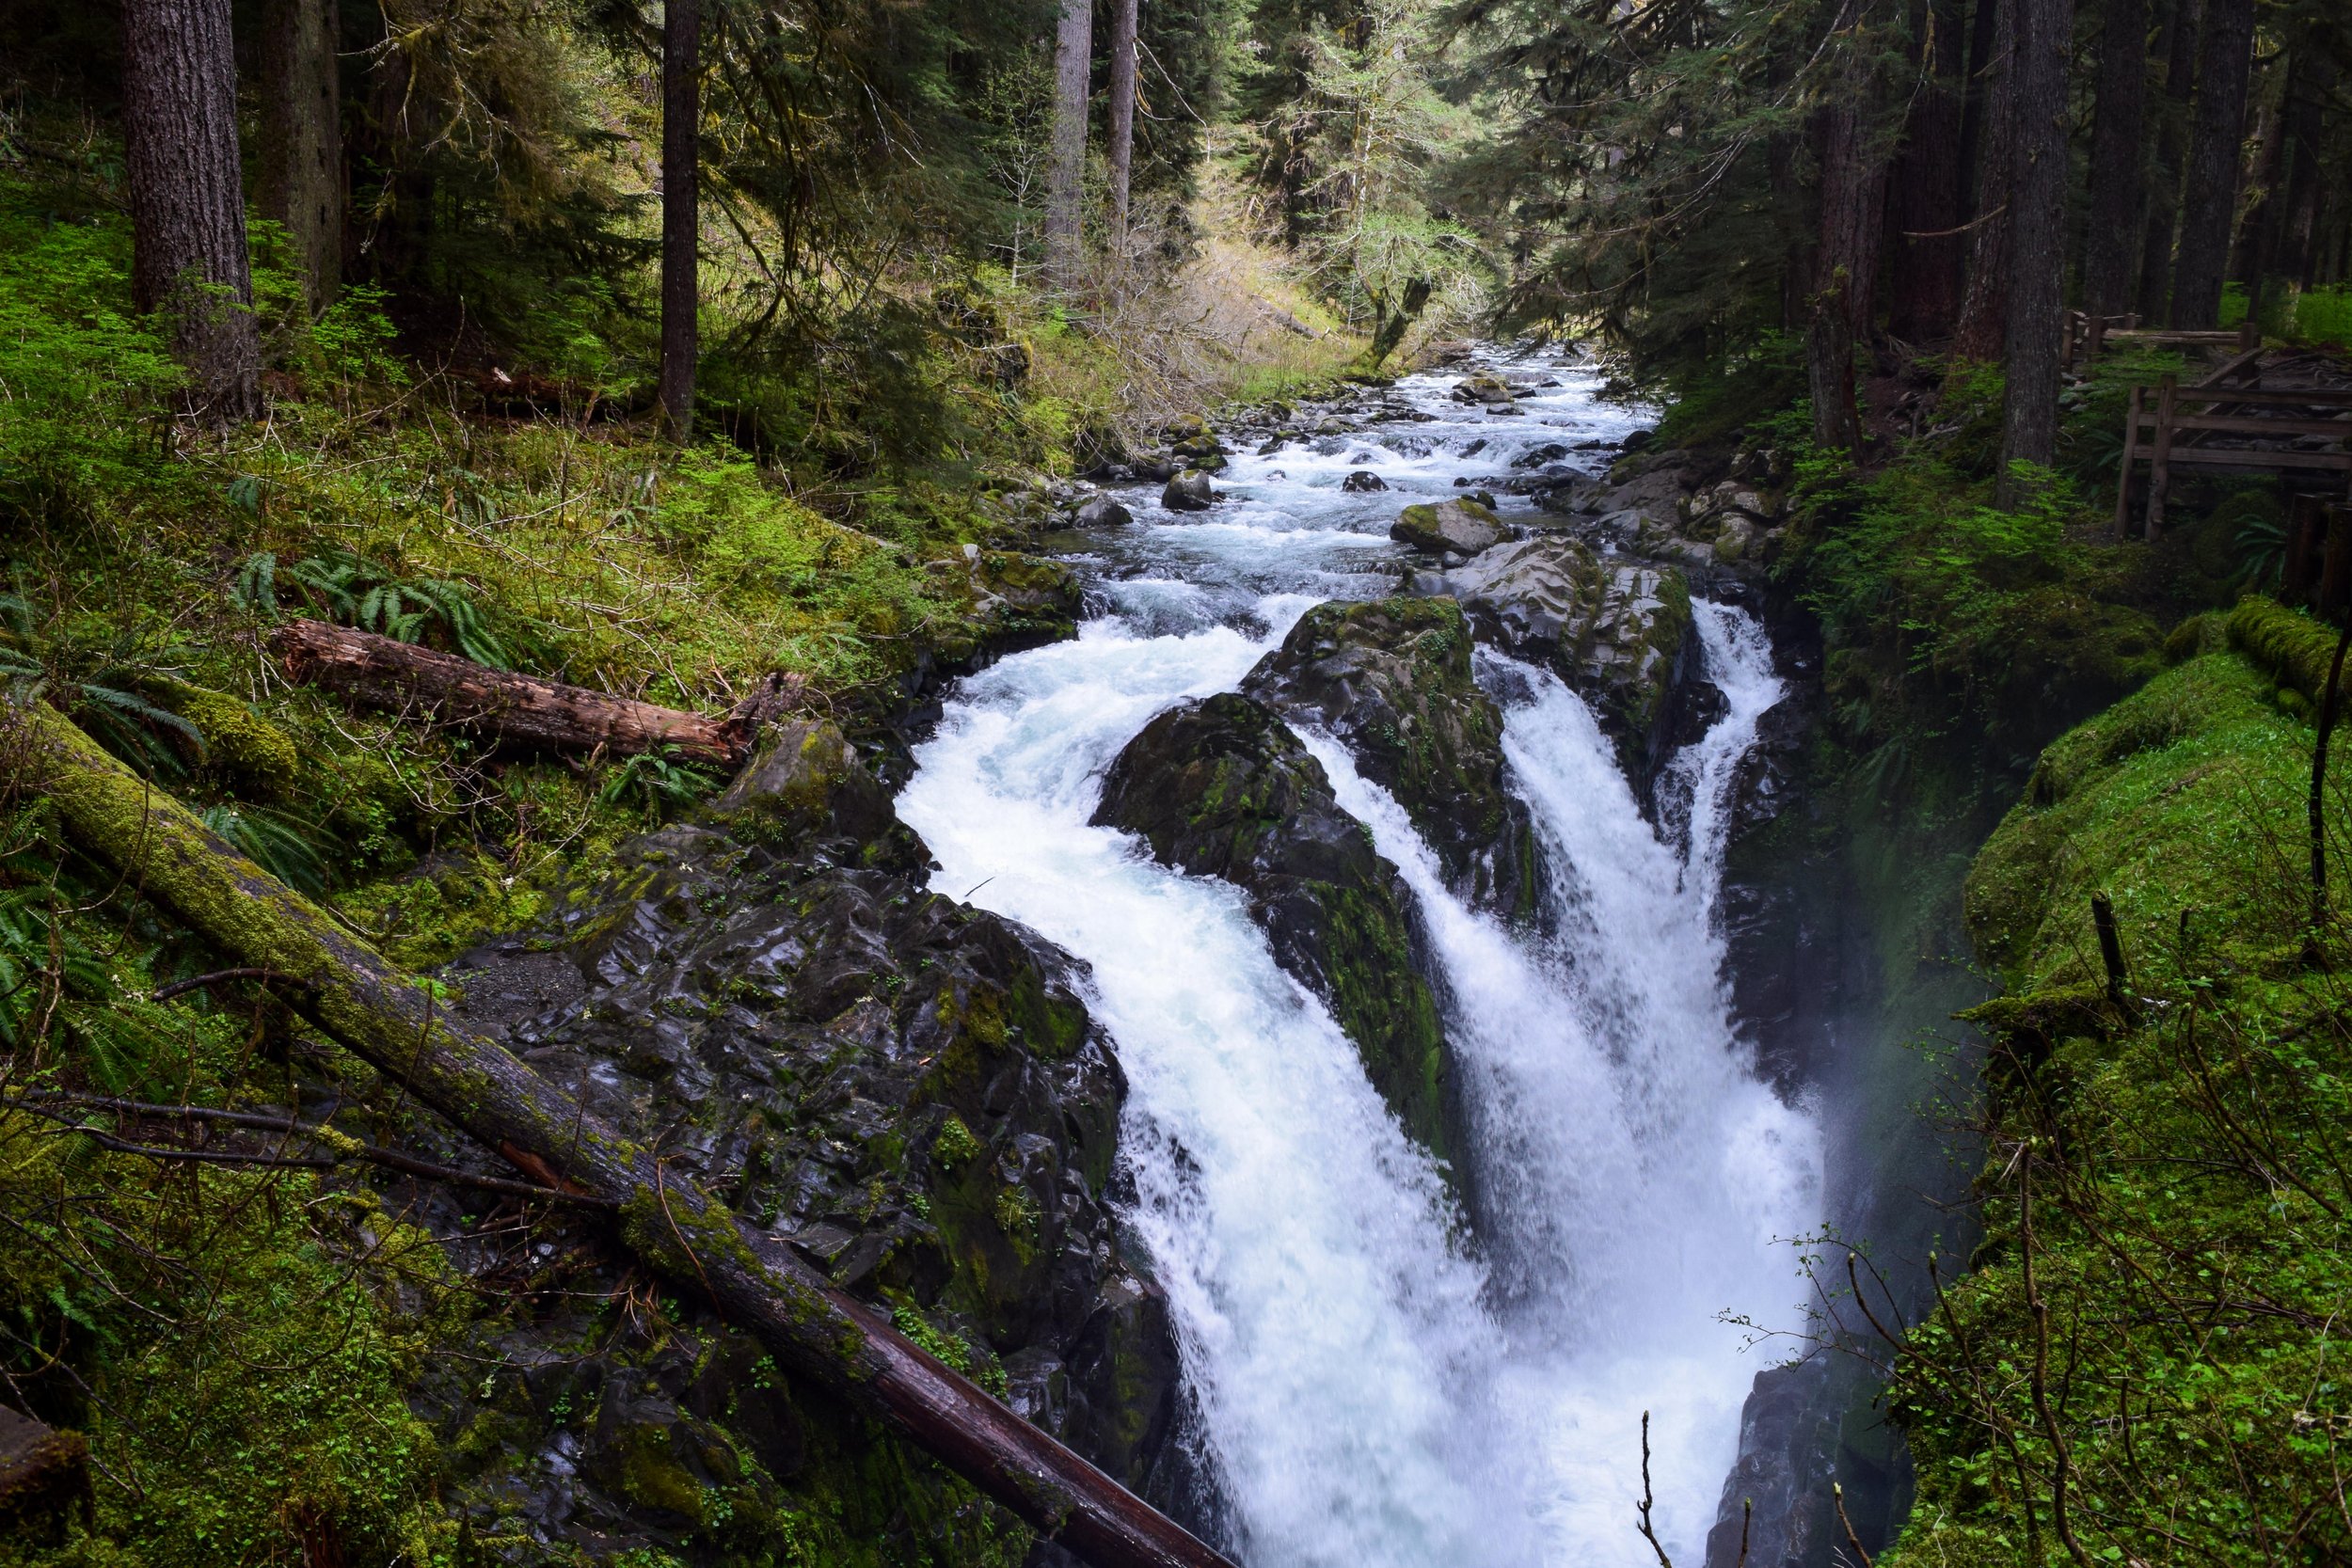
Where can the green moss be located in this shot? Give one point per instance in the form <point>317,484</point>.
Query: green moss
<point>955,1147</point>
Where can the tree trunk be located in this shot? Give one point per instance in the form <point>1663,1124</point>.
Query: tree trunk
<point>1984,311</point>
<point>1073,56</point>
<point>2305,125</point>
<point>522,711</point>
<point>301,177</point>
<point>1984,39</point>
<point>1854,185</point>
<point>188,256</point>
<point>2257,235</point>
<point>1925,195</point>
<point>681,211</point>
<point>2118,185</point>
<point>2168,149</point>
<point>1120,153</point>
<point>379,1014</point>
<point>2209,199</point>
<point>2037,244</point>
<point>1395,323</point>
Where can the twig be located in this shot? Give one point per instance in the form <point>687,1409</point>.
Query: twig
<point>198,982</point>
<point>1853,1542</point>
<point>1648,1533</point>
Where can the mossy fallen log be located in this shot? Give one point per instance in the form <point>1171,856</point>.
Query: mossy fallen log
<point>2295,648</point>
<point>358,999</point>
<point>524,711</point>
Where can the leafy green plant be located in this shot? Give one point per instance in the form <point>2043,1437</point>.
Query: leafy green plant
<point>658,783</point>
<point>356,592</point>
<point>283,845</point>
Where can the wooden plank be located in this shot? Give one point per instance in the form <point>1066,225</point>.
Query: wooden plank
<point>2151,335</point>
<point>2255,397</point>
<point>2257,425</point>
<point>2160,466</point>
<point>2236,366</point>
<point>2241,457</point>
<point>2124,479</point>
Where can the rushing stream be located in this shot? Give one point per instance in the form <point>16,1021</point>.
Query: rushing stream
<point>1381,1378</point>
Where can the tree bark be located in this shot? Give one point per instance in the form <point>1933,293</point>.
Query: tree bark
<point>1395,323</point>
<point>301,177</point>
<point>379,1014</point>
<point>1120,153</point>
<point>2209,197</point>
<point>2257,235</point>
<point>1073,55</point>
<point>2036,246</point>
<point>2305,125</point>
<point>1984,312</point>
<point>189,258</point>
<point>681,211</point>
<point>2118,183</point>
<point>1984,37</point>
<point>523,710</point>
<point>2168,149</point>
<point>1854,185</point>
<point>1925,196</point>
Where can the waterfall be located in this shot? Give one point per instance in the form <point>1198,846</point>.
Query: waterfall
<point>1381,1380</point>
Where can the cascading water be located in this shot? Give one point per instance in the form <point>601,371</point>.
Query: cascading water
<point>1380,1380</point>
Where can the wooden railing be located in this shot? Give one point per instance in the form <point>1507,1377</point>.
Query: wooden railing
<point>2170,428</point>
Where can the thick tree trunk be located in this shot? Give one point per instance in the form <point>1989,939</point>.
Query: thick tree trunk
<point>301,177</point>
<point>379,1014</point>
<point>1120,153</point>
<point>1925,194</point>
<point>1854,185</point>
<point>2305,126</point>
<point>1073,55</point>
<point>2037,245</point>
<point>681,211</point>
<point>2168,148</point>
<point>2111,240</point>
<point>1984,312</point>
<point>188,256</point>
<point>1395,323</point>
<point>522,711</point>
<point>1984,37</point>
<point>2257,235</point>
<point>2209,193</point>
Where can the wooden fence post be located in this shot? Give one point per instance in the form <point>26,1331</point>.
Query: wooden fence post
<point>2160,464</point>
<point>2335,570</point>
<point>2124,479</point>
<point>2307,524</point>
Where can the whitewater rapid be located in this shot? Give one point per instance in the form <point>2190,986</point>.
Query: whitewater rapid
<point>1382,1379</point>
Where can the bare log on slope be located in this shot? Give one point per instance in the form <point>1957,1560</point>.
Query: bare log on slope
<point>382,673</point>
<point>381,1015</point>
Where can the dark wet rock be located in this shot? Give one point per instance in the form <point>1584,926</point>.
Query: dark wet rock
<point>1363,481</point>
<point>1391,679</point>
<point>1535,458</point>
<point>1477,445</point>
<point>1786,1464</point>
<point>1618,632</point>
<point>1190,491</point>
<point>1635,441</point>
<point>1222,787</point>
<point>1154,469</point>
<point>1101,511</point>
<point>908,1090</point>
<point>1463,526</point>
<point>1275,443</point>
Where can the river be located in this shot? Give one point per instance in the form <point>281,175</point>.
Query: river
<point>1381,1375</point>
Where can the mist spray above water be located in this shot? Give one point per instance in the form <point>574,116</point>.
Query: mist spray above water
<point>1380,1379</point>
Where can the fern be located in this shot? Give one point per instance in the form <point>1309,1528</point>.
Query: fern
<point>278,843</point>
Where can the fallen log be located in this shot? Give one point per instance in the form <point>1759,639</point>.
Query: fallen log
<point>354,996</point>
<point>384,672</point>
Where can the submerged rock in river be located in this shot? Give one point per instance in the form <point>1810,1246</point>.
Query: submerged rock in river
<point>1465,526</point>
<point>1617,631</point>
<point>1222,787</point>
<point>1391,679</point>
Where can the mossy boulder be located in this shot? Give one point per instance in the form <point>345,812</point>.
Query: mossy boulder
<point>1618,632</point>
<point>807,783</point>
<point>2185,796</point>
<point>1391,679</point>
<point>1463,527</point>
<point>1222,787</point>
